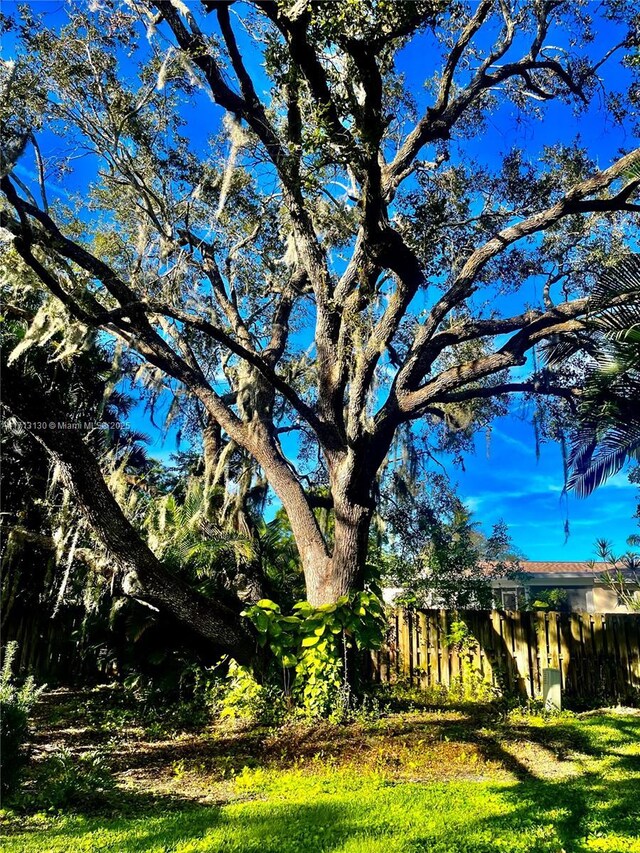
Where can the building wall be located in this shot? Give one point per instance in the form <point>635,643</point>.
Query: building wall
<point>582,594</point>
<point>581,598</point>
<point>606,601</point>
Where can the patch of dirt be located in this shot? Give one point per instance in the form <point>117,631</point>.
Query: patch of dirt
<point>201,765</point>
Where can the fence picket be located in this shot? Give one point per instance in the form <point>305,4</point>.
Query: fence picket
<point>434,658</point>
<point>598,654</point>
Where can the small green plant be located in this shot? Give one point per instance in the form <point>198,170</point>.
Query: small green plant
<point>242,698</point>
<point>314,644</point>
<point>471,685</point>
<point>179,768</point>
<point>460,637</point>
<point>367,708</point>
<point>527,710</point>
<point>73,782</point>
<point>16,704</point>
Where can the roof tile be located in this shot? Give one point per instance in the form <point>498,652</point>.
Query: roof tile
<point>564,567</point>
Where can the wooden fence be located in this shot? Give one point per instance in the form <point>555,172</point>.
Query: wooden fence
<point>598,654</point>
<point>51,648</point>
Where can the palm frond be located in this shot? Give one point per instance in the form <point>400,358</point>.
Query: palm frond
<point>607,435</point>
<point>594,462</point>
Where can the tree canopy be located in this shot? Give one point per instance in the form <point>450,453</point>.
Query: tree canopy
<point>299,242</point>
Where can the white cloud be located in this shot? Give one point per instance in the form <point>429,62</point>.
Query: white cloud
<point>619,481</point>
<point>474,502</point>
<point>526,448</point>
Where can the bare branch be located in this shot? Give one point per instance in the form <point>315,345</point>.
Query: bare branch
<point>560,320</point>
<point>439,120</point>
<point>575,201</point>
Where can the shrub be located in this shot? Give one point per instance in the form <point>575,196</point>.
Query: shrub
<point>241,698</point>
<point>313,645</point>
<point>73,782</point>
<point>470,685</point>
<point>15,706</point>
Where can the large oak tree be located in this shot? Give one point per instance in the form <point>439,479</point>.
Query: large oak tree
<point>277,226</point>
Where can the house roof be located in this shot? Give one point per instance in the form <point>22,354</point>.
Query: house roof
<point>564,572</point>
<point>564,567</point>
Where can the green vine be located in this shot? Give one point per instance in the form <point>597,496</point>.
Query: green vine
<point>314,642</point>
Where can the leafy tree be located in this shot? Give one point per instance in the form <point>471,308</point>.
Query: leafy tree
<point>438,557</point>
<point>331,267</point>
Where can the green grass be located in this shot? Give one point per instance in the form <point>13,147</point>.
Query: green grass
<point>584,796</point>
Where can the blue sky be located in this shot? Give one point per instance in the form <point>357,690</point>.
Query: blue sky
<point>508,482</point>
<point>503,479</point>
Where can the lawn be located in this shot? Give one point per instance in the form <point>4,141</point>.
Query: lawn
<point>446,781</point>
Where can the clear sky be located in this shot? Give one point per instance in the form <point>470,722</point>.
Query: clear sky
<point>506,481</point>
<point>503,478</point>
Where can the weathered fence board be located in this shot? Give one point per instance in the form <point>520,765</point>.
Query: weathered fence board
<point>598,654</point>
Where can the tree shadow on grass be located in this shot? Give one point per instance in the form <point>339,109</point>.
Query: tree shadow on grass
<point>536,810</point>
<point>571,811</point>
<point>266,749</point>
<point>269,828</point>
<point>500,744</point>
<point>227,752</point>
<point>604,802</point>
<point>159,825</point>
<point>114,803</point>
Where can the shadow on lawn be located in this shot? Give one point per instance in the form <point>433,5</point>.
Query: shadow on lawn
<point>501,743</point>
<point>113,803</point>
<point>227,752</point>
<point>588,805</point>
<point>282,828</point>
<point>506,745</point>
<point>564,812</point>
<point>561,811</point>
<point>585,802</point>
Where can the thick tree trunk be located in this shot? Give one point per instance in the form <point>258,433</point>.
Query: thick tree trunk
<point>144,578</point>
<point>342,572</point>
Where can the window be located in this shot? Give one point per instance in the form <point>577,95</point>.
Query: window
<point>510,598</point>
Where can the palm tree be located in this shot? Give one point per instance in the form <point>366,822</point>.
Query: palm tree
<point>183,534</point>
<point>607,434</point>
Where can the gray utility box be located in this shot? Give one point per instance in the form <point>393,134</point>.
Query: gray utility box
<point>552,689</point>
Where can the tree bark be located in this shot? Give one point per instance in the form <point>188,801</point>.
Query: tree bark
<point>211,448</point>
<point>343,571</point>
<point>143,577</point>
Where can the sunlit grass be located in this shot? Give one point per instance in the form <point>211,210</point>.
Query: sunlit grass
<point>345,810</point>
